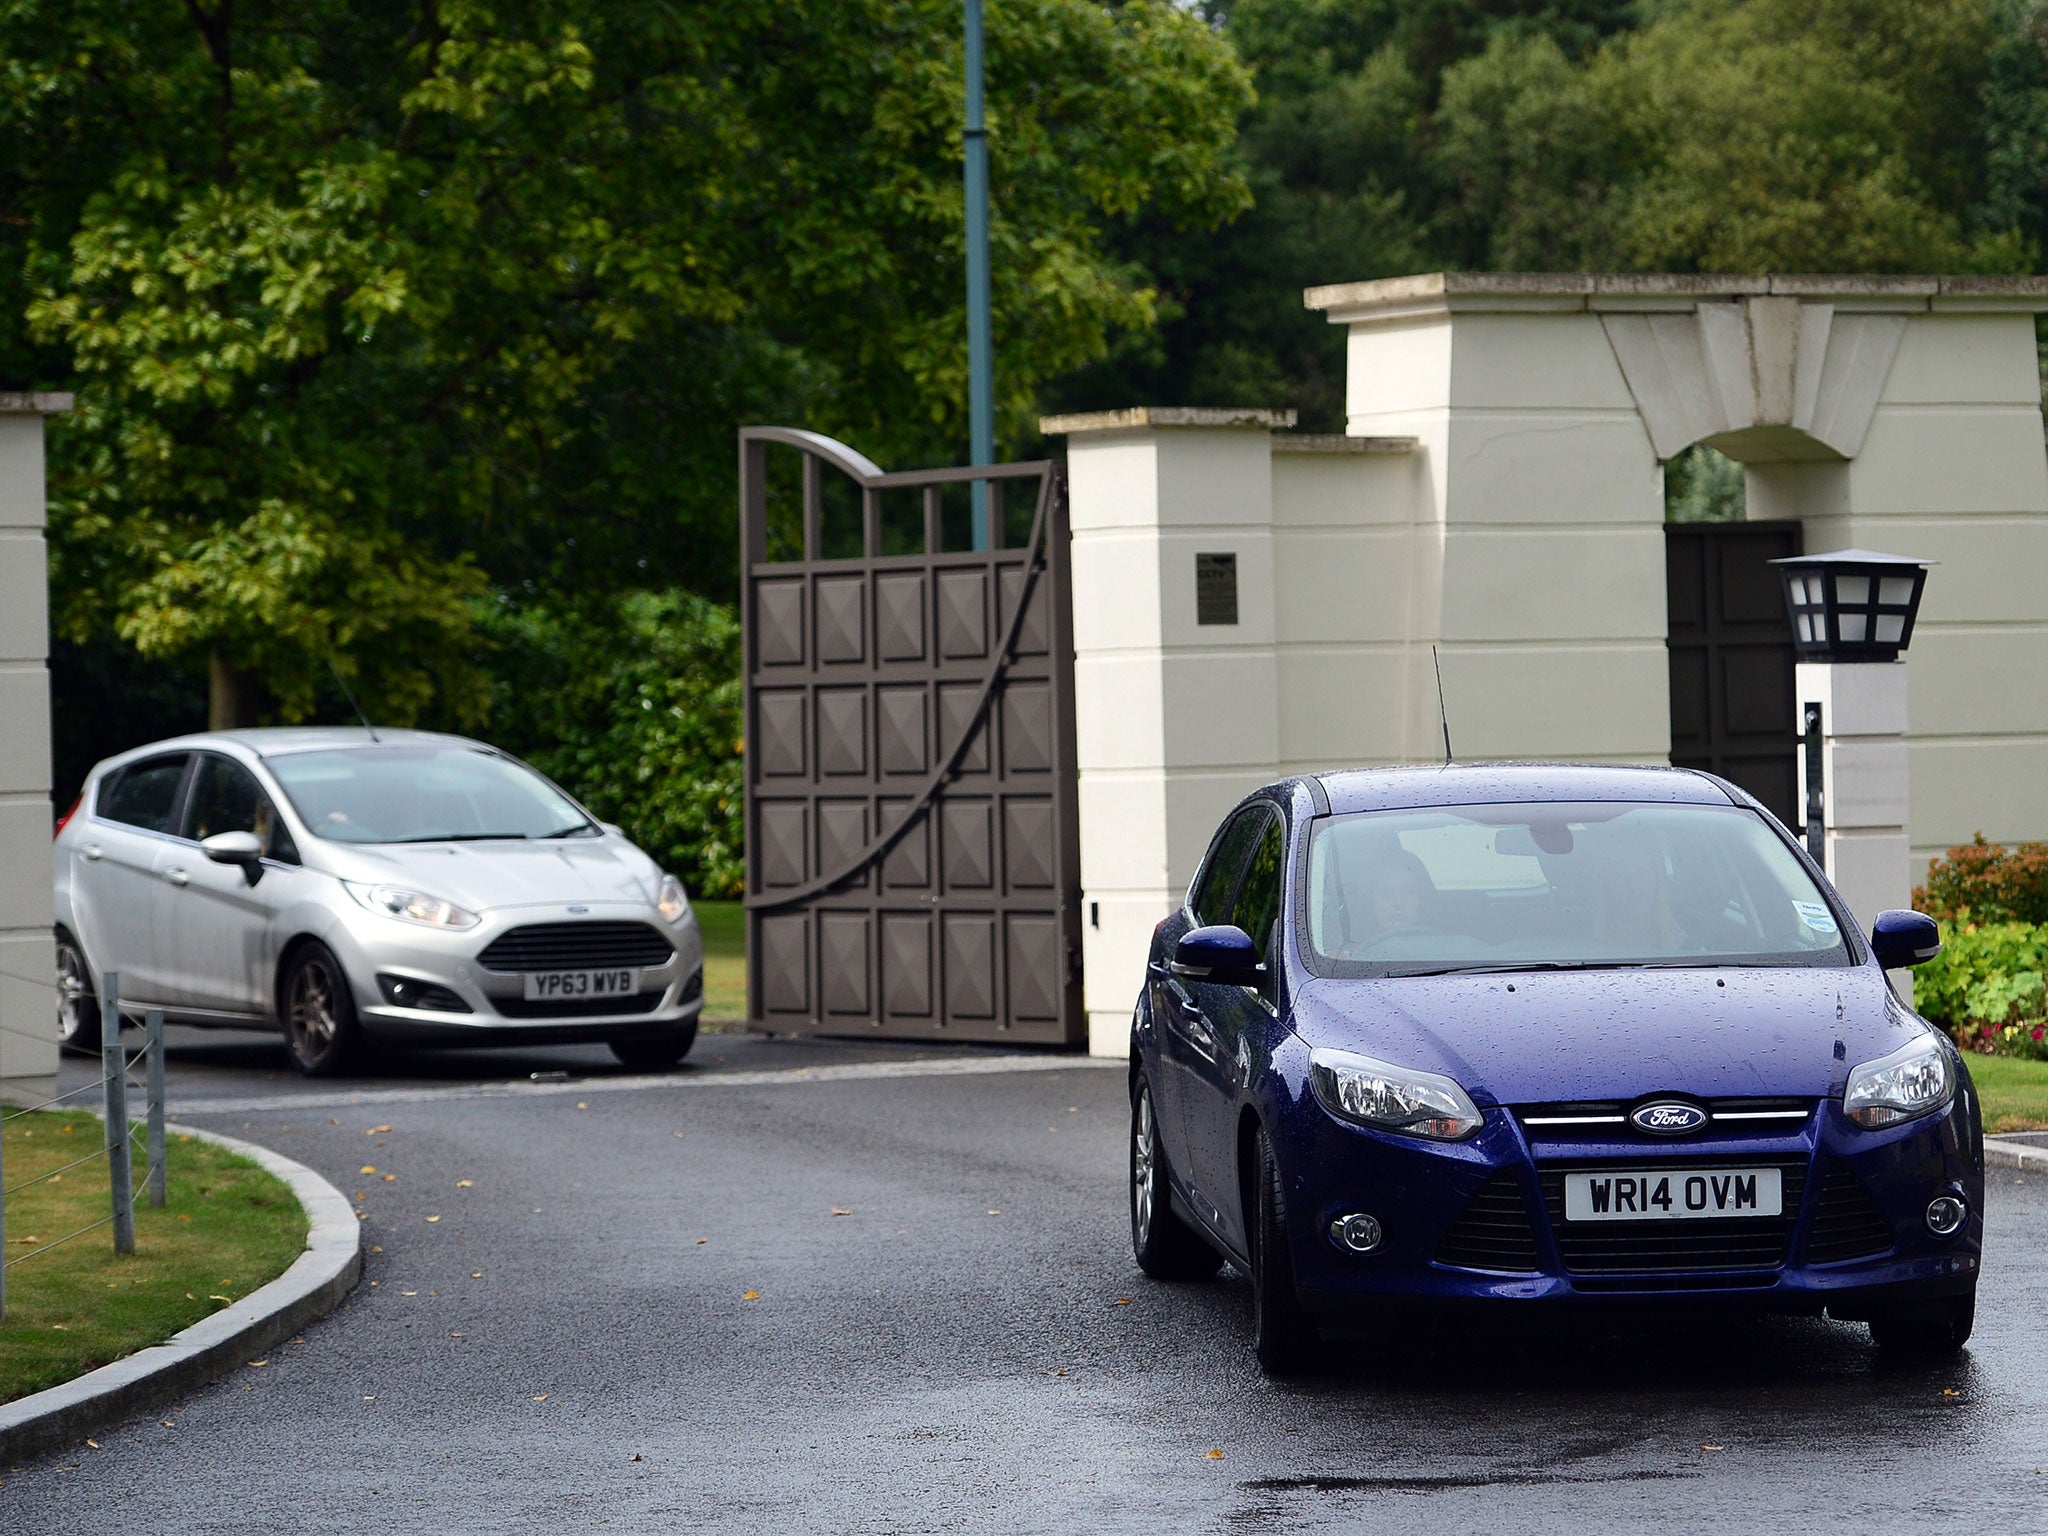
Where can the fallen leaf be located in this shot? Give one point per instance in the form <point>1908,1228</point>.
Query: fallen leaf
<point>332,1121</point>
<point>1213,1455</point>
<point>184,1216</point>
<point>465,1183</point>
<point>369,1397</point>
<point>1060,1372</point>
<point>376,1248</point>
<point>390,1178</point>
<point>220,1298</point>
<point>169,1423</point>
<point>1121,1301</point>
<point>1713,1447</point>
<point>476,1274</point>
<point>257,1365</point>
<point>377,1130</point>
<point>61,1327</point>
<point>1950,1392</point>
<point>32,1238</point>
<point>93,1443</point>
<point>702,1241</point>
<point>454,1335</point>
<point>634,1457</point>
<point>367,1168</point>
<point>581,1105</point>
<point>541,1397</point>
<point>995,1213</point>
<point>677,1134</point>
<point>1072,1110</point>
<point>408,1293</point>
<point>433,1218</point>
<point>836,1211</point>
<point>750,1296</point>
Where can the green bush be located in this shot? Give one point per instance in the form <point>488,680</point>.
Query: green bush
<point>632,703</point>
<point>1985,882</point>
<point>1986,987</point>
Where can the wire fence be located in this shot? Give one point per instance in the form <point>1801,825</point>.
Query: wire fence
<point>122,1132</point>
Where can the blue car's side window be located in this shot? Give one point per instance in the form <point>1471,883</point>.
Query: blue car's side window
<point>1215,892</point>
<point>1257,908</point>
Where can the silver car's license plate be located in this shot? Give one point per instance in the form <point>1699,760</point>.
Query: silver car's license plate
<point>579,986</point>
<point>1691,1194</point>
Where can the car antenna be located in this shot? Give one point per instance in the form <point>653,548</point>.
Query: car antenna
<point>352,704</point>
<point>1441,713</point>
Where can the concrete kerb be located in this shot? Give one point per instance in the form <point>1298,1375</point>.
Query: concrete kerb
<point>2000,1153</point>
<point>213,1346</point>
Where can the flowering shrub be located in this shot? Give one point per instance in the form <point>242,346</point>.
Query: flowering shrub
<point>1987,883</point>
<point>1989,987</point>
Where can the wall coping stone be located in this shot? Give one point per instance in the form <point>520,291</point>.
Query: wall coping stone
<point>1424,292</point>
<point>34,403</point>
<point>1138,417</point>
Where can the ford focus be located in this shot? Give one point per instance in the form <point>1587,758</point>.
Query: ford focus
<point>1548,1037</point>
<point>346,887</point>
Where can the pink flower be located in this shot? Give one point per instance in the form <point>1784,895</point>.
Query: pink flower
<point>2037,1031</point>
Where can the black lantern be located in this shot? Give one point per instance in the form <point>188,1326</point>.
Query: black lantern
<point>1852,605</point>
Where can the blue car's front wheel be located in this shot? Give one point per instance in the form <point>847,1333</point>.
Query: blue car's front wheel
<point>1284,1334</point>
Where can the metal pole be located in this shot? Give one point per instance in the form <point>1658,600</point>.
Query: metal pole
<point>154,1021</point>
<point>121,1174</point>
<point>1816,800</point>
<point>981,430</point>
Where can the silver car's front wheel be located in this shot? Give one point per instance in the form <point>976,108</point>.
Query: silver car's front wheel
<point>78,1004</point>
<point>319,1012</point>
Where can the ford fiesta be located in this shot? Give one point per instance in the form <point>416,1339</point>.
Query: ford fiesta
<point>1545,1035</point>
<point>349,887</point>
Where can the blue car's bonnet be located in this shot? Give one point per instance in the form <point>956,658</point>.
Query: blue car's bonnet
<point>1566,1035</point>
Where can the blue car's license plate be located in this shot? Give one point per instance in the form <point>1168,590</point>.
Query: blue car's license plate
<point>1689,1194</point>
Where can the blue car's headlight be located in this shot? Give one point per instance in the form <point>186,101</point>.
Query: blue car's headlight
<point>1914,1080</point>
<point>1391,1098</point>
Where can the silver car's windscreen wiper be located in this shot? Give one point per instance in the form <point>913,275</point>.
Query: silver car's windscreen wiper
<point>582,829</point>
<point>467,837</point>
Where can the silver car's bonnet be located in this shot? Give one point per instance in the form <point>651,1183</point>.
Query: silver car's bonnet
<point>487,875</point>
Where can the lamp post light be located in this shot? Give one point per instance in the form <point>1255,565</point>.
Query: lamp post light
<point>1852,616</point>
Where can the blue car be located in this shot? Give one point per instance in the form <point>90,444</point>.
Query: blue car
<point>1556,1036</point>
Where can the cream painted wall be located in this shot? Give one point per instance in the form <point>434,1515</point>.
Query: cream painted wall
<point>1500,496</point>
<point>28,1040</point>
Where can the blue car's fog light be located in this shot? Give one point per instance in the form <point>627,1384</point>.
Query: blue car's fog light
<point>1945,1215</point>
<point>1358,1232</point>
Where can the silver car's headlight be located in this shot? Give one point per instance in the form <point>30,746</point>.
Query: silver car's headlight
<point>1391,1098</point>
<point>671,903</point>
<point>1914,1080</point>
<point>410,906</point>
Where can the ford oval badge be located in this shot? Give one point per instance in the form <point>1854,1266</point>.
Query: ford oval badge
<point>579,911</point>
<point>1668,1117</point>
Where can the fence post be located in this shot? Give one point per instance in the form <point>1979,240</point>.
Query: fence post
<point>121,1174</point>
<point>154,1020</point>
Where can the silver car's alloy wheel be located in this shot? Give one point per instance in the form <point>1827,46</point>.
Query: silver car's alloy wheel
<point>78,1013</point>
<point>312,1005</point>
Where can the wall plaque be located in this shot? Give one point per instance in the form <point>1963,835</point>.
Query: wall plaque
<point>1215,589</point>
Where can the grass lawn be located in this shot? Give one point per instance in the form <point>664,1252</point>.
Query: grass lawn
<point>724,927</point>
<point>2014,1092</point>
<point>226,1228</point>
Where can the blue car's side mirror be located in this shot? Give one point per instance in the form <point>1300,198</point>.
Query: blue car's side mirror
<point>1901,939</point>
<point>1220,954</point>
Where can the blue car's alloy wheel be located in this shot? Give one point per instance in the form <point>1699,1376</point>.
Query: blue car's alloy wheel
<point>1166,1247</point>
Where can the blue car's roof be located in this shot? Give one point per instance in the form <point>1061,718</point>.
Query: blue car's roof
<point>1388,789</point>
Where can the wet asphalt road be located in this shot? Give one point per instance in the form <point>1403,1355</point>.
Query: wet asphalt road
<point>570,1346</point>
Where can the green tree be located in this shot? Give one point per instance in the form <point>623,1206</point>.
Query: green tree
<point>370,304</point>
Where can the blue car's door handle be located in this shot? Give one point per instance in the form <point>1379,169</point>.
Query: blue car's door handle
<point>1192,1026</point>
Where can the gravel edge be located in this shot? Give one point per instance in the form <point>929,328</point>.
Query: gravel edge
<point>213,1346</point>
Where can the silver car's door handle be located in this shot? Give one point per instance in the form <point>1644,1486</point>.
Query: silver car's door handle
<point>177,876</point>
<point>93,851</point>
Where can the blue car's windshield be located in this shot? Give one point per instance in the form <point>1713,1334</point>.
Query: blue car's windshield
<point>423,794</point>
<point>1541,885</point>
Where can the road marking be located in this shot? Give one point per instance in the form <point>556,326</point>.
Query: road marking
<point>787,1077</point>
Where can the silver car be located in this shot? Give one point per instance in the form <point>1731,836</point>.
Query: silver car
<point>349,887</point>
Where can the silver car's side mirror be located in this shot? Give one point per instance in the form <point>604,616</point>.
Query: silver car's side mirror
<point>241,848</point>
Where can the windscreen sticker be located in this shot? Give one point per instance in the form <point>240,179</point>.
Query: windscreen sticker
<point>1815,916</point>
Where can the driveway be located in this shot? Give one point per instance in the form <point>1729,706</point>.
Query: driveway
<point>854,1287</point>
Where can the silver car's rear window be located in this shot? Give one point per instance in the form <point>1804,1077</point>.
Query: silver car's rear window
<point>423,794</point>
<point>1601,883</point>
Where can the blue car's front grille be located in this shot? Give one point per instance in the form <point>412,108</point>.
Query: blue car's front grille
<point>1846,1222</point>
<point>1585,1120</point>
<point>1494,1233</point>
<point>1666,1247</point>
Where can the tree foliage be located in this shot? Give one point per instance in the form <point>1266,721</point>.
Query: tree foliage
<point>371,304</point>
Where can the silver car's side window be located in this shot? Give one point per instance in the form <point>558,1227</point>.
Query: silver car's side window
<point>226,798</point>
<point>144,794</point>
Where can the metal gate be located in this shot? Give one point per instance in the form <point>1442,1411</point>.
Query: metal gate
<point>913,843</point>
<point>1730,646</point>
